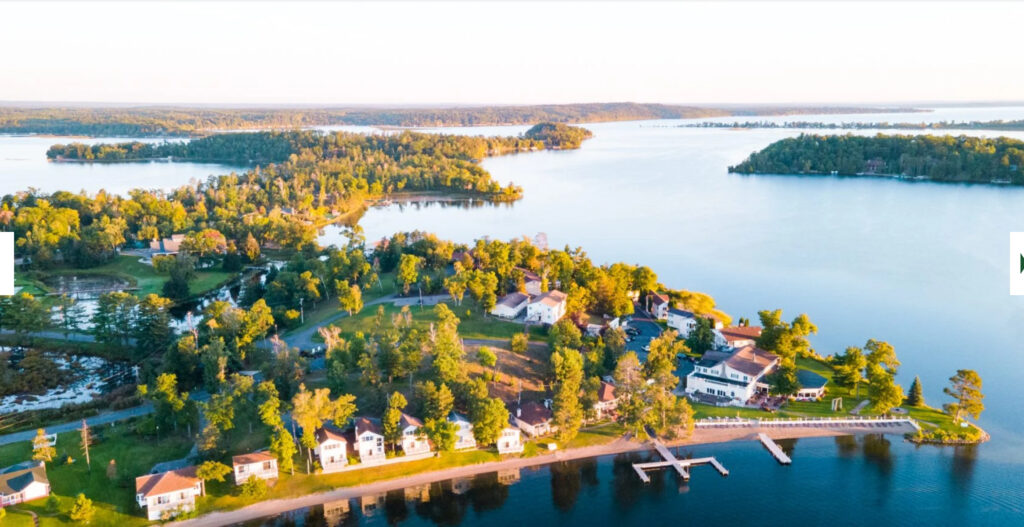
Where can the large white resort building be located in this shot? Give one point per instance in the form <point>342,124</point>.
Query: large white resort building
<point>734,373</point>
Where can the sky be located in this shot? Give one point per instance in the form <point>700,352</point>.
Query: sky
<point>394,53</point>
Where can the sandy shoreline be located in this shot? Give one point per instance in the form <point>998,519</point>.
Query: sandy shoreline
<point>619,446</point>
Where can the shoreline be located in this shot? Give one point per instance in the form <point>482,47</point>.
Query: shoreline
<point>269,508</point>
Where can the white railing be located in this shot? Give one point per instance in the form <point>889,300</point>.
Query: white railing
<point>814,422</point>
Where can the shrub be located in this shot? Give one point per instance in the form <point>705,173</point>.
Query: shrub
<point>254,487</point>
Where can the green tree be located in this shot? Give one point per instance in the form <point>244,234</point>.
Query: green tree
<point>391,423</point>
<point>702,336</point>
<point>448,364</point>
<point>436,400</point>
<point>883,354</point>
<point>52,504</point>
<point>489,418</point>
<point>441,432</point>
<point>114,321</point>
<point>487,358</point>
<point>212,471</point>
<point>408,271</point>
<point>787,340</point>
<point>311,409</point>
<point>82,511</point>
<point>629,386</point>
<point>965,389</point>
<point>168,403</point>
<point>883,391</point>
<point>69,315</point>
<point>154,329</point>
<point>350,297</point>
<point>254,487</point>
<point>915,397</point>
<point>849,371</point>
<point>784,380</point>
<point>25,315</point>
<point>566,407</point>
<point>518,343</point>
<point>565,334</point>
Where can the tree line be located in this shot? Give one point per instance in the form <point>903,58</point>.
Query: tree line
<point>998,124</point>
<point>940,158</point>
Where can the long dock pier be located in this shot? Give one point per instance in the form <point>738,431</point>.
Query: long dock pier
<point>774,448</point>
<point>681,466</point>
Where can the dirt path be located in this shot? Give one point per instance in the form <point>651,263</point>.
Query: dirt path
<point>619,446</point>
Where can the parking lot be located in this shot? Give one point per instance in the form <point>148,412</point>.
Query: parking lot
<point>640,330</point>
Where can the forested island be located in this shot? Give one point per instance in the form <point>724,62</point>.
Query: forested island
<point>300,181</point>
<point>188,122</point>
<point>558,135</point>
<point>817,125</point>
<point>938,158</point>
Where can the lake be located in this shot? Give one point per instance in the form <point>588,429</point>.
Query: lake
<point>921,265</point>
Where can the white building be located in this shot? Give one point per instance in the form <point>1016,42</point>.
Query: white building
<point>736,337</point>
<point>659,305</point>
<point>261,465</point>
<point>167,494</point>
<point>413,440</point>
<point>369,442</point>
<point>464,433</point>
<point>547,308</point>
<point>682,321</point>
<point>331,449</point>
<point>532,281</point>
<point>533,418</point>
<point>511,305</point>
<point>510,441</point>
<point>607,402</point>
<point>23,482</point>
<point>812,386</point>
<point>730,377</point>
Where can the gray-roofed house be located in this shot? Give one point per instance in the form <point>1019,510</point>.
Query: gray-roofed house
<point>681,320</point>
<point>511,305</point>
<point>812,386</point>
<point>731,377</point>
<point>23,482</point>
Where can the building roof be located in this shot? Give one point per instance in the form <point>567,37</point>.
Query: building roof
<point>329,432</point>
<point>164,482</point>
<point>456,417</point>
<point>16,478</point>
<point>748,359</point>
<point>681,312</point>
<point>513,299</point>
<point>254,457</point>
<point>735,333</point>
<point>407,420</point>
<point>367,424</point>
<point>809,379</point>
<point>533,413</point>
<point>659,298</point>
<point>606,392</point>
<point>529,275</point>
<point>551,298</point>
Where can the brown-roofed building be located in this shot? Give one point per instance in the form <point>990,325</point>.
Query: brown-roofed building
<point>414,442</point>
<point>23,482</point>
<point>732,377</point>
<point>261,465</point>
<point>607,401</point>
<point>547,308</point>
<point>511,305</point>
<point>331,449</point>
<point>532,281</point>
<point>167,494</point>
<point>533,418</point>
<point>368,440</point>
<point>659,304</point>
<point>737,336</point>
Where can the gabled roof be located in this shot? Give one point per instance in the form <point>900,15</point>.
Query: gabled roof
<point>681,312</point>
<point>407,420</point>
<point>606,392</point>
<point>16,478</point>
<point>329,432</point>
<point>513,299</point>
<point>551,298</point>
<point>164,482</point>
<point>809,379</point>
<point>750,360</point>
<point>529,275</point>
<point>456,417</point>
<point>254,457</point>
<point>367,424</point>
<point>659,298</point>
<point>735,333</point>
<point>533,413</point>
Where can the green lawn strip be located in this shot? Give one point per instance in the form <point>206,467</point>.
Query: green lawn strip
<point>145,278</point>
<point>596,435</point>
<point>114,498</point>
<point>17,518</point>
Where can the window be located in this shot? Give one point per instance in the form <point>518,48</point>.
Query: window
<point>162,500</point>
<point>267,465</point>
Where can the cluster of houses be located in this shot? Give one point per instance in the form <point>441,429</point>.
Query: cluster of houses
<point>540,307</point>
<point>734,372</point>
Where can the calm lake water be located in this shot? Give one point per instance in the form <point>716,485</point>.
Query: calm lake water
<point>922,265</point>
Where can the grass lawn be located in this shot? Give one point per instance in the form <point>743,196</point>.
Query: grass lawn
<point>330,308</point>
<point>596,435</point>
<point>114,499</point>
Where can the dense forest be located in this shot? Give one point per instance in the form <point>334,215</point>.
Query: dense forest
<point>558,135</point>
<point>941,158</point>
<point>185,122</point>
<point>941,125</point>
<point>301,180</point>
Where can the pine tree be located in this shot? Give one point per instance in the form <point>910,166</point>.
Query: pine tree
<point>915,398</point>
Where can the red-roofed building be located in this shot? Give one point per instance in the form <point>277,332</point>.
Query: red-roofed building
<point>737,336</point>
<point>167,494</point>
<point>658,304</point>
<point>261,465</point>
<point>331,449</point>
<point>607,401</point>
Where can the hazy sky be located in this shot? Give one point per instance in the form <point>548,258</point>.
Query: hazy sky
<point>523,52</point>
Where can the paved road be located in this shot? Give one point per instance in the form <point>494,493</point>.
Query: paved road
<point>648,328</point>
<point>101,419</point>
<point>303,338</point>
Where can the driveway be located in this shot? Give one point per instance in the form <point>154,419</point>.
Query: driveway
<point>648,329</point>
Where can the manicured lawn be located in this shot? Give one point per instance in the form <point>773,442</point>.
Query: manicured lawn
<point>597,435</point>
<point>114,498</point>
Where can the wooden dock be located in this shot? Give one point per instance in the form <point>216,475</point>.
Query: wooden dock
<point>774,448</point>
<point>681,466</point>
